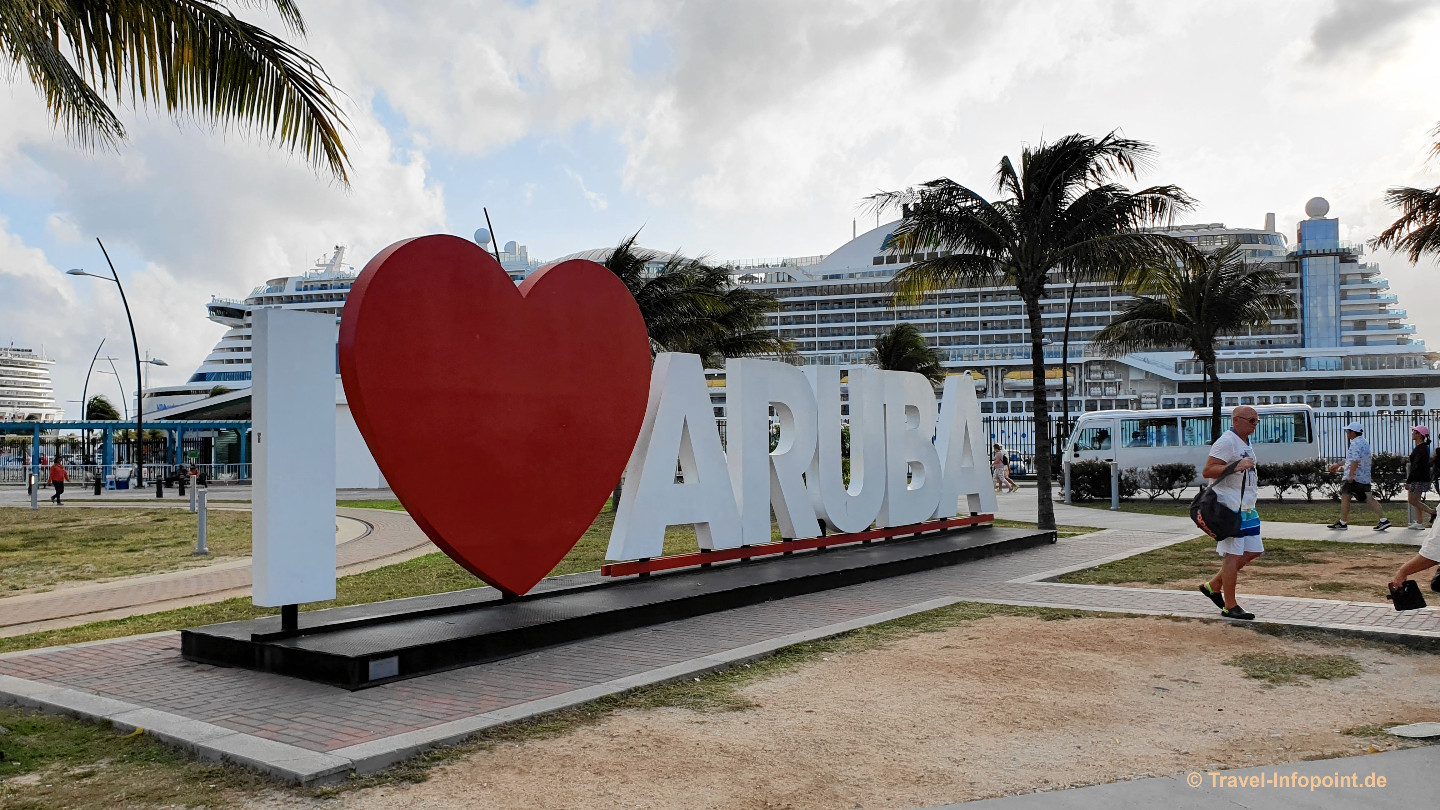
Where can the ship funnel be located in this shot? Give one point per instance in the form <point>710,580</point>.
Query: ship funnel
<point>1269,222</point>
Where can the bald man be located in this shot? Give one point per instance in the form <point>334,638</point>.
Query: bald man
<point>1236,491</point>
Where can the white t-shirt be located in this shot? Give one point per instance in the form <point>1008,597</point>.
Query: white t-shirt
<point>1228,448</point>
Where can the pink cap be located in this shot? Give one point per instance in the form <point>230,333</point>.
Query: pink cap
<point>1422,430</point>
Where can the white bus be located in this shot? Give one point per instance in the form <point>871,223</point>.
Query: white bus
<point>1142,439</point>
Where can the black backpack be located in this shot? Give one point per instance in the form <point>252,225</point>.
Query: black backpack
<point>1211,516</point>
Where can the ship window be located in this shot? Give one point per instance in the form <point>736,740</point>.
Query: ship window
<point>1247,400</point>
<point>1313,400</point>
<point>1002,407</point>
<point>1398,400</point>
<point>1231,402</point>
<point>1382,400</point>
<point>892,259</point>
<point>1182,402</point>
<point>1417,399</point>
<point>987,407</point>
<point>878,260</point>
<point>1262,400</point>
<point>1092,405</point>
<point>1332,401</point>
<point>1347,401</point>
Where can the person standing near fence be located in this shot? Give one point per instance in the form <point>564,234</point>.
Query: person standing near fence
<point>1237,493</point>
<point>1417,476</point>
<point>58,477</point>
<point>1356,481</point>
<point>1000,469</point>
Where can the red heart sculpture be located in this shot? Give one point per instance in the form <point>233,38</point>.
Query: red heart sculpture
<point>501,416</point>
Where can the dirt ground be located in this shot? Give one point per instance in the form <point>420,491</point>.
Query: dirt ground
<point>1356,574</point>
<point>994,707</point>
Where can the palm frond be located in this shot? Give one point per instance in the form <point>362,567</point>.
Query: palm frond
<point>191,58</point>
<point>1417,231</point>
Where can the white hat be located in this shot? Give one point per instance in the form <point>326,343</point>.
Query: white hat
<point>1355,427</point>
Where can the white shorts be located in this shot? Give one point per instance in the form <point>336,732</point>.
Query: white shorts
<point>1430,549</point>
<point>1242,545</point>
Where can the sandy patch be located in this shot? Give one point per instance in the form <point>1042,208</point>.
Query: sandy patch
<point>1355,574</point>
<point>995,707</point>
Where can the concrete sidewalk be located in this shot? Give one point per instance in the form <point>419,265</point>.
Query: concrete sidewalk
<point>1410,781</point>
<point>1021,505</point>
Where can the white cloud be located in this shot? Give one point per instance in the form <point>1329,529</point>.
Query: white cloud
<point>594,198</point>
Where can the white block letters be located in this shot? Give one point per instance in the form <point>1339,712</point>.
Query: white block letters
<point>964,450</point>
<point>679,426</point>
<point>852,508</point>
<point>912,468</point>
<point>759,477</point>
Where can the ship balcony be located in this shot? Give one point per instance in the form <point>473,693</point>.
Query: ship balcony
<point>1366,284</point>
<point>1387,329</point>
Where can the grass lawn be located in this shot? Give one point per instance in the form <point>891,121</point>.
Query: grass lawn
<point>43,548</point>
<point>1287,511</point>
<point>1317,569</point>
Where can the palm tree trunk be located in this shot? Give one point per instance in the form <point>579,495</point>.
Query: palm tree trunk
<point>1045,513</point>
<point>1065,372</point>
<point>1215,393</point>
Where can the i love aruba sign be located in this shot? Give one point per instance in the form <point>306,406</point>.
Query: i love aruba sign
<point>534,399</point>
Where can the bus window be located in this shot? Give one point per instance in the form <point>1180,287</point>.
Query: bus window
<point>1093,438</point>
<point>1279,428</point>
<point>1158,432</point>
<point>1196,430</point>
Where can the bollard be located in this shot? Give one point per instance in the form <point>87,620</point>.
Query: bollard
<point>193,491</point>
<point>1066,463</point>
<point>200,547</point>
<point>159,487</point>
<point>34,493</point>
<point>1114,486</point>
<point>183,478</point>
<point>99,481</point>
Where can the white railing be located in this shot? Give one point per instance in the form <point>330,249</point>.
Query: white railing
<point>122,475</point>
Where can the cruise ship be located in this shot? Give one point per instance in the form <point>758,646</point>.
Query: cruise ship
<point>26,391</point>
<point>1347,351</point>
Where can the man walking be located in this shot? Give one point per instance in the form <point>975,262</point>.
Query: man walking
<point>1356,483</point>
<point>1237,492</point>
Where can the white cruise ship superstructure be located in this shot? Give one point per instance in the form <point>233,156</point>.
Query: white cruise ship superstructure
<point>26,391</point>
<point>1347,350</point>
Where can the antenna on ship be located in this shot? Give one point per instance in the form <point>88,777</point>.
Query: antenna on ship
<point>494,241</point>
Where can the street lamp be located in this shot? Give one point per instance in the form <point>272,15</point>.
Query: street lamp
<point>85,400</point>
<point>135,344</point>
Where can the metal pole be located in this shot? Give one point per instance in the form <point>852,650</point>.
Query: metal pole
<point>193,493</point>
<point>85,398</point>
<point>1114,486</point>
<point>1066,462</point>
<point>139,382</point>
<point>494,240</point>
<point>34,493</point>
<point>200,547</point>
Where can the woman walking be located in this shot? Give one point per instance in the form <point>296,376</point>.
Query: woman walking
<point>1000,469</point>
<point>58,477</point>
<point>1417,476</point>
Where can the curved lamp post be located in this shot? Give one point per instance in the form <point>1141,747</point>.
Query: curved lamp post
<point>135,344</point>
<point>85,399</point>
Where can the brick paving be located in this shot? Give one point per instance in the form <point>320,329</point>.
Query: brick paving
<point>393,536</point>
<point>149,672</point>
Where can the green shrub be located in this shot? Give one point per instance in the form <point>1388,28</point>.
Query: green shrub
<point>1283,477</point>
<point>1387,475</point>
<point>1166,479</point>
<point>1090,481</point>
<point>1313,475</point>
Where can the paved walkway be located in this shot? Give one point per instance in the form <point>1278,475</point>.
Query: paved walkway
<point>367,538</point>
<point>308,732</point>
<point>1021,505</point>
<point>1409,782</point>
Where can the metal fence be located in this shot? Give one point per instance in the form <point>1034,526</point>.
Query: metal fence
<point>122,475</point>
<point>1389,433</point>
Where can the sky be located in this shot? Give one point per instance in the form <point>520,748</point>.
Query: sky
<point>739,130</point>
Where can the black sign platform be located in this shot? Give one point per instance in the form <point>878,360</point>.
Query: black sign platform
<point>366,645</point>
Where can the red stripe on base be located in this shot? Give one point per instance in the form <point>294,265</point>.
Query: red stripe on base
<point>705,557</point>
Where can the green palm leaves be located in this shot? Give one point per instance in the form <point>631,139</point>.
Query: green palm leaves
<point>694,307</point>
<point>903,348</point>
<point>190,57</point>
<point>1189,305</point>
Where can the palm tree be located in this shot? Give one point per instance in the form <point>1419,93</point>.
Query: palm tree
<point>100,407</point>
<point>219,389</point>
<point>903,348</point>
<point>1188,306</point>
<point>695,307</point>
<point>1062,214</point>
<point>1417,231</point>
<point>190,57</point>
